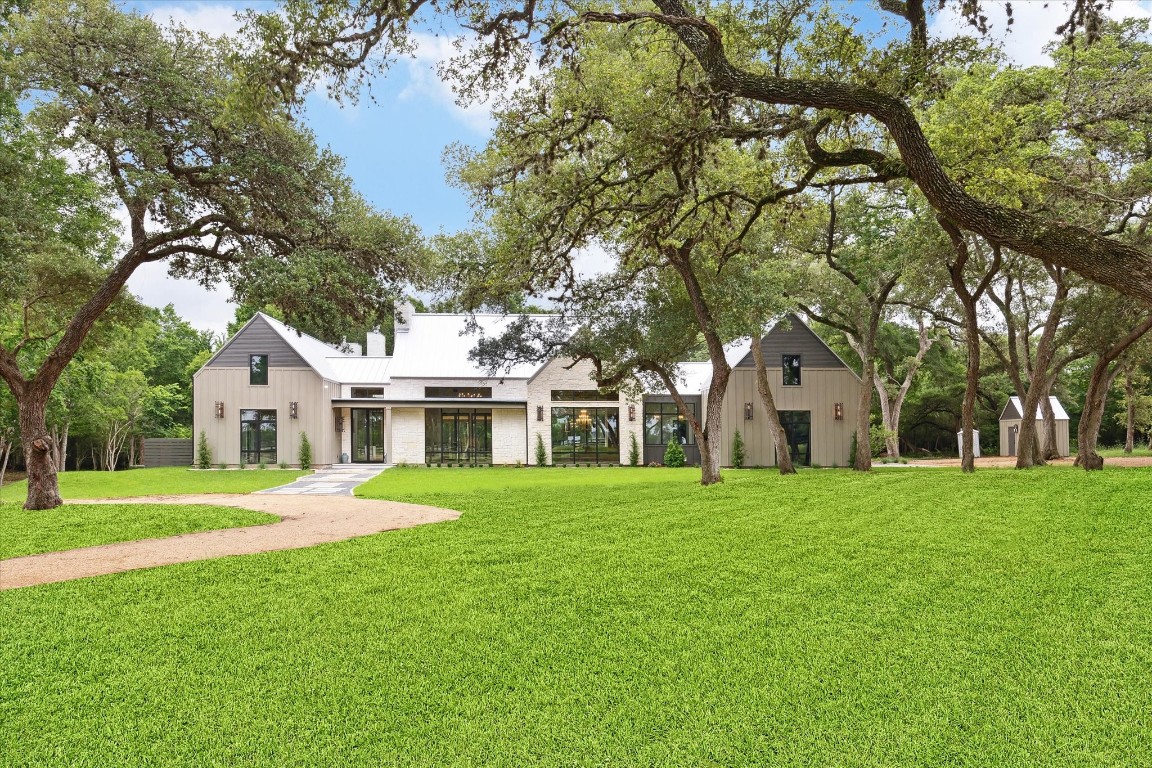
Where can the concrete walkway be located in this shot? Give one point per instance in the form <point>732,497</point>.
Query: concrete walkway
<point>305,522</point>
<point>338,480</point>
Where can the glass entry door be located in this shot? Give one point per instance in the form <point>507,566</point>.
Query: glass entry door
<point>798,427</point>
<point>368,435</point>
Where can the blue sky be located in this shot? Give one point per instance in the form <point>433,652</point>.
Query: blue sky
<point>393,144</point>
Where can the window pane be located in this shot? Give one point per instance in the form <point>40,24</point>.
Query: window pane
<point>791,365</point>
<point>258,369</point>
<point>569,395</point>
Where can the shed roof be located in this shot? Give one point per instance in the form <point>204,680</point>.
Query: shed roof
<point>1013,408</point>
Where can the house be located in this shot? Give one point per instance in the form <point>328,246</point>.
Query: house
<point>428,402</point>
<point>1011,418</point>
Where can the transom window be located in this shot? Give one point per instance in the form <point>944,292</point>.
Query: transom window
<point>791,365</point>
<point>258,437</point>
<point>457,391</point>
<point>258,369</point>
<point>367,392</point>
<point>594,395</point>
<point>663,423</point>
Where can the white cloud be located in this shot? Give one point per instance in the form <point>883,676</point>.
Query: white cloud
<point>593,261</point>
<point>214,18</point>
<point>203,308</point>
<point>1033,27</point>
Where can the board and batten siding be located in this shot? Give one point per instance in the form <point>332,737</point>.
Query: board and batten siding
<point>1063,436</point>
<point>820,390</point>
<point>258,338</point>
<point>213,384</point>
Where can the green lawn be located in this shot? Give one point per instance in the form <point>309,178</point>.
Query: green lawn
<point>85,525</point>
<point>620,617</point>
<point>1140,449</point>
<point>161,480</point>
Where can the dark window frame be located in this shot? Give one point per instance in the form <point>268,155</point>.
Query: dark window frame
<point>668,421</point>
<point>468,432</point>
<point>257,417</point>
<point>256,372</point>
<point>584,396</point>
<point>376,392</point>
<point>786,368</point>
<point>596,441</point>
<point>458,393</point>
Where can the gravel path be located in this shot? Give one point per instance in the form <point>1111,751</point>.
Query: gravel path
<point>305,522</point>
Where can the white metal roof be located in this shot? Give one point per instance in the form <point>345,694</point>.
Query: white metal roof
<point>360,370</point>
<point>436,346</point>
<point>1057,409</point>
<point>313,351</point>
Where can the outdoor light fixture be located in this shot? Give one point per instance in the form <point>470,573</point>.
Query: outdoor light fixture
<point>539,413</point>
<point>339,423</point>
<point>631,412</point>
<point>839,411</point>
<point>747,411</point>
<point>219,409</point>
<point>294,410</point>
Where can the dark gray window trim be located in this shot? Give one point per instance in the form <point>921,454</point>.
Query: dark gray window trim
<point>267,369</point>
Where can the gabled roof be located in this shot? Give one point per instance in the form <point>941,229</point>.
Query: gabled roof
<point>311,352</point>
<point>1013,408</point>
<point>436,346</point>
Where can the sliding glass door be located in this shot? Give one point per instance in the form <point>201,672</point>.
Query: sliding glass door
<point>368,435</point>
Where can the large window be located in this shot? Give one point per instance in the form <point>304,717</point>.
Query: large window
<point>258,437</point>
<point>367,391</point>
<point>257,369</point>
<point>791,364</point>
<point>457,436</point>
<point>664,423</point>
<point>585,436</point>
<point>457,391</point>
<point>798,428</point>
<point>587,395</point>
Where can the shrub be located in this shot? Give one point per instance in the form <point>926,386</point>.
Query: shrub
<point>738,450</point>
<point>674,454</point>
<point>203,452</point>
<point>541,452</point>
<point>283,465</point>
<point>305,454</point>
<point>262,465</point>
<point>221,465</point>
<point>634,451</point>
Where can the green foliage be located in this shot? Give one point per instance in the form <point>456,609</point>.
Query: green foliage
<point>738,450</point>
<point>633,450</point>
<point>203,452</point>
<point>674,454</point>
<point>304,457</point>
<point>541,452</point>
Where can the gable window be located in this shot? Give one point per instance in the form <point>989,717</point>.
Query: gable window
<point>257,369</point>
<point>791,366</point>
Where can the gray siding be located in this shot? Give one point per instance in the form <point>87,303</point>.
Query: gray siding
<point>799,339</point>
<point>168,452</point>
<point>655,453</point>
<point>259,338</point>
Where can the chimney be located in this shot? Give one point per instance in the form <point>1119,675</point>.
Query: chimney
<point>376,346</point>
<point>404,314</point>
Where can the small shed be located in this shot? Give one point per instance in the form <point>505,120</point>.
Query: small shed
<point>1011,418</point>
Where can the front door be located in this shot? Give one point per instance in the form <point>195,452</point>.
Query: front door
<point>368,435</point>
<point>798,427</point>
<point>1012,439</point>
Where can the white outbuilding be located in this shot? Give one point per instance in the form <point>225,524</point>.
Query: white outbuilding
<point>1012,416</point>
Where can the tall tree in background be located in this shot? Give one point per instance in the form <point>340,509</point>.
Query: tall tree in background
<point>254,204</point>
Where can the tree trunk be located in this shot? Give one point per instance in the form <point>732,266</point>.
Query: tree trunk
<point>779,437</point>
<point>971,382</point>
<point>1088,432</point>
<point>710,445</point>
<point>1130,400</point>
<point>863,462</point>
<point>1051,449</point>
<point>5,452</point>
<point>43,486</point>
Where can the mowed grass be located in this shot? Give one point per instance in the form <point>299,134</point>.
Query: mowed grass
<point>158,481</point>
<point>1114,452</point>
<point>619,617</point>
<point>24,532</point>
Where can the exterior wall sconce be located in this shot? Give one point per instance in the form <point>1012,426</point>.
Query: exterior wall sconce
<point>294,410</point>
<point>838,410</point>
<point>339,423</point>
<point>539,413</point>
<point>219,409</point>
<point>747,411</point>
<point>631,412</point>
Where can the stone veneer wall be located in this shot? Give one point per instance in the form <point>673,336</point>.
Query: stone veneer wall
<point>407,436</point>
<point>555,376</point>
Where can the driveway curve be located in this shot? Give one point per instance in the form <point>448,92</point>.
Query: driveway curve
<point>305,521</point>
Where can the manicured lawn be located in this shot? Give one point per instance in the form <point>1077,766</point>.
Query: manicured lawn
<point>161,480</point>
<point>618,617</point>
<point>85,525</point>
<point>1140,449</point>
